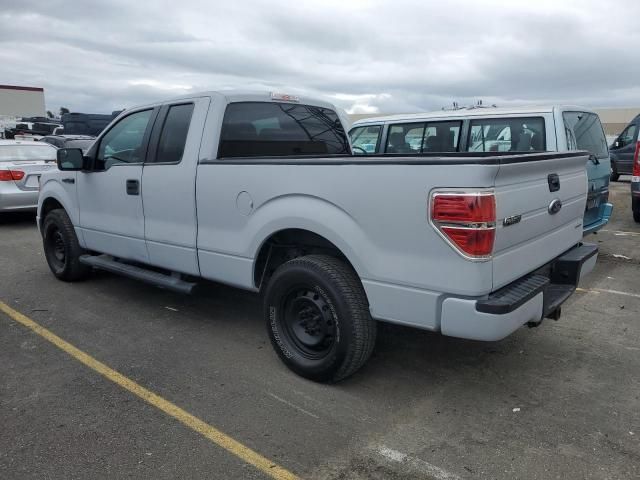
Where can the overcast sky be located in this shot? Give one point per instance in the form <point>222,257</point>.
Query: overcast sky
<point>366,56</point>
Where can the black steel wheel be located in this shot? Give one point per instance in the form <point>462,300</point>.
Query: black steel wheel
<point>318,318</point>
<point>61,247</point>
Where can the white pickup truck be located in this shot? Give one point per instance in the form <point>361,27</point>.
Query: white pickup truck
<point>261,191</point>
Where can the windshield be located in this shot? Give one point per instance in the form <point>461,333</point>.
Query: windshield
<point>584,132</point>
<point>12,153</point>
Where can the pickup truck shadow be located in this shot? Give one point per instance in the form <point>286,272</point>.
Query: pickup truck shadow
<point>19,219</point>
<point>405,361</point>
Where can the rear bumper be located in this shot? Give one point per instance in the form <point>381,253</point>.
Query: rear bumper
<point>606,209</point>
<point>527,300</point>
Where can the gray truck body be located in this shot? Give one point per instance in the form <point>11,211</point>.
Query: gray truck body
<point>213,218</point>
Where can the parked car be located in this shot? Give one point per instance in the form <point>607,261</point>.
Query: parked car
<point>69,141</point>
<point>553,128</point>
<point>21,164</point>
<point>31,130</point>
<point>260,191</point>
<point>86,123</point>
<point>623,150</point>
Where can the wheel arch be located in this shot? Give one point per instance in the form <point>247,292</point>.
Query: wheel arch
<point>52,196</point>
<point>285,244</point>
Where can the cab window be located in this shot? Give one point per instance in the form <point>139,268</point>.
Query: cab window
<point>123,142</point>
<point>174,133</point>
<point>365,140</point>
<point>259,129</point>
<point>507,135</point>
<point>423,137</point>
<point>584,132</point>
<point>628,136</point>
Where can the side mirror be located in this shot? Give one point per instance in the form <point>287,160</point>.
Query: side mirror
<point>70,159</point>
<point>617,144</point>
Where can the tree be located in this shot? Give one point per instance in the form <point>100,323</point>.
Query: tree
<point>49,114</point>
<point>63,110</point>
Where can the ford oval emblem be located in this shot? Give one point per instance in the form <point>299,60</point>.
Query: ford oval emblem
<point>555,206</point>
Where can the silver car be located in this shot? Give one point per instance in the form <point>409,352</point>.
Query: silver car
<point>21,164</point>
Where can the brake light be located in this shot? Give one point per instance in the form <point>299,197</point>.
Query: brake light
<point>636,165</point>
<point>9,175</point>
<point>467,220</point>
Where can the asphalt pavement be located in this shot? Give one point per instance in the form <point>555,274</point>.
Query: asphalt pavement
<point>558,401</point>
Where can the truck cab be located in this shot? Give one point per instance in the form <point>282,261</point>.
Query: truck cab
<point>549,128</point>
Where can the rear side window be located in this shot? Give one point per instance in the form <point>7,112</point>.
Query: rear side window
<point>259,129</point>
<point>364,140</point>
<point>584,132</point>
<point>507,135</point>
<point>423,137</point>
<point>174,133</point>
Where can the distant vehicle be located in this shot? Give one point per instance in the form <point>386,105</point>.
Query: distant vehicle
<point>261,191</point>
<point>69,141</point>
<point>526,129</point>
<point>625,159</point>
<point>21,164</point>
<point>86,123</point>
<point>32,130</point>
<point>623,150</point>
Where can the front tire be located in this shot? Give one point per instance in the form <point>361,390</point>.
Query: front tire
<point>318,318</point>
<point>61,247</point>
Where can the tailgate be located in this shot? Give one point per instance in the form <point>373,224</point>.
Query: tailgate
<point>540,206</point>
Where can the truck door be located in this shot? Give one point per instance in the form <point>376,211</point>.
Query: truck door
<point>169,180</point>
<point>626,147</point>
<point>109,196</point>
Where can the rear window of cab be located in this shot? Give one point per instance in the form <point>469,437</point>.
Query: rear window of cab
<point>259,129</point>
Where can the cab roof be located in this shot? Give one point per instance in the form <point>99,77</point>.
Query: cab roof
<point>473,112</point>
<point>233,96</point>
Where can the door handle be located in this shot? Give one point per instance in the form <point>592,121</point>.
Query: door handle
<point>133,187</point>
<point>69,180</point>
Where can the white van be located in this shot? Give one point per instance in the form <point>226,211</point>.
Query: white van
<point>557,128</point>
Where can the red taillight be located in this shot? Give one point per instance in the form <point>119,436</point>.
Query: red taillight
<point>636,162</point>
<point>9,175</point>
<point>467,220</point>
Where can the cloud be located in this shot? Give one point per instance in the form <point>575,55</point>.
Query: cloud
<point>366,56</point>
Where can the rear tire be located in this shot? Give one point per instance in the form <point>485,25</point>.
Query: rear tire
<point>615,176</point>
<point>318,318</point>
<point>636,216</point>
<point>61,247</point>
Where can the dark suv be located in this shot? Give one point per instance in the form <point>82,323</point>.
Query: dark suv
<point>623,150</point>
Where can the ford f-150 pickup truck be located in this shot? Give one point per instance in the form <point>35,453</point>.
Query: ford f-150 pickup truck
<point>261,191</point>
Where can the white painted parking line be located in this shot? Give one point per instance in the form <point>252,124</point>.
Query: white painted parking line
<point>605,290</point>
<point>620,233</point>
<point>293,405</point>
<point>424,467</point>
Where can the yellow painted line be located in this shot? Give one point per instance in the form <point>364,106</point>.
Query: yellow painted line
<point>216,436</point>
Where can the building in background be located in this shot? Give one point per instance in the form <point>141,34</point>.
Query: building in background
<point>17,101</point>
